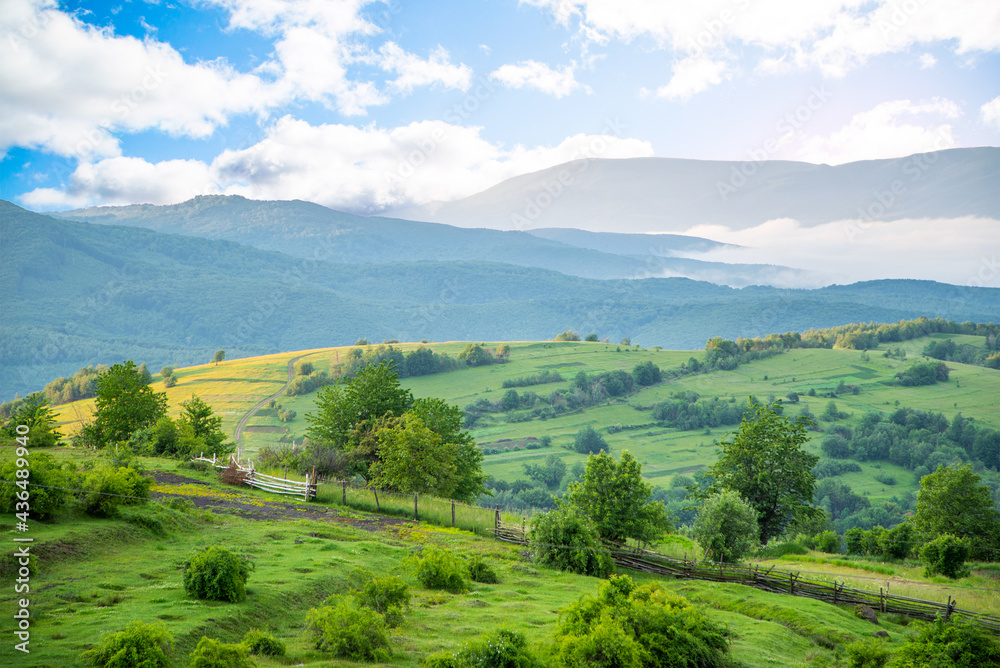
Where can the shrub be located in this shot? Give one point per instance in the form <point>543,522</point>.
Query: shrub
<point>828,541</point>
<point>214,654</point>
<point>349,632</point>
<point>43,470</point>
<point>480,571</point>
<point>442,659</point>
<point>440,569</point>
<point>942,643</point>
<point>113,486</point>
<point>946,555</point>
<point>726,526</point>
<point>261,643</point>
<point>566,540</point>
<point>635,626</point>
<point>896,542</point>
<point>502,648</point>
<point>388,596</point>
<point>140,644</point>
<point>778,550</point>
<point>868,653</point>
<point>588,441</point>
<point>216,573</point>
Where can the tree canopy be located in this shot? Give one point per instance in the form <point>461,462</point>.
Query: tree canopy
<point>763,461</point>
<point>35,413</point>
<point>617,500</point>
<point>125,403</point>
<point>726,526</point>
<point>951,501</point>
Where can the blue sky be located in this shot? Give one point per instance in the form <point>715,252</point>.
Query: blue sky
<point>374,106</point>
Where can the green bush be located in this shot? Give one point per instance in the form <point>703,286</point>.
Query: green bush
<point>637,626</point>
<point>442,659</point>
<point>109,487</point>
<point>480,571</point>
<point>214,654</point>
<point>566,540</point>
<point>349,632</point>
<point>261,643</point>
<point>778,550</point>
<point>868,653</point>
<point>726,526</point>
<point>41,469</point>
<point>140,644</point>
<point>828,541</point>
<point>440,569</point>
<point>896,543</point>
<point>216,573</point>
<point>960,644</point>
<point>946,555</point>
<point>502,648</point>
<point>388,596</point>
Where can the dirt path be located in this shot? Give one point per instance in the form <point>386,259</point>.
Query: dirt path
<point>238,431</point>
<point>235,502</point>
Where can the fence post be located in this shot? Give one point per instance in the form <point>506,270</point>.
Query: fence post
<point>378,507</point>
<point>496,521</point>
<point>947,613</point>
<point>343,491</point>
<point>453,512</point>
<point>415,515</point>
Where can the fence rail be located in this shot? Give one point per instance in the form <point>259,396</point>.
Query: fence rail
<point>247,475</point>
<point>776,581</point>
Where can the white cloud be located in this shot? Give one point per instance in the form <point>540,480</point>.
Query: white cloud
<point>990,113</point>
<point>831,35</point>
<point>852,250</point>
<point>927,61</point>
<point>693,75</point>
<point>365,169</point>
<point>414,71</point>
<point>532,74</point>
<point>889,130</point>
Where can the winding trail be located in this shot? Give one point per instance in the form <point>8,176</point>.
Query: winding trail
<point>238,431</point>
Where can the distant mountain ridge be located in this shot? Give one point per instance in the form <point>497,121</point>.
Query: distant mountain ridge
<point>76,294</point>
<point>310,230</point>
<point>641,195</point>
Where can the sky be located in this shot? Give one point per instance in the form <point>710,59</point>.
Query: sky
<point>373,106</point>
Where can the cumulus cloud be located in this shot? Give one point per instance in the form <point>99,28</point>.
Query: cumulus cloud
<point>857,250</point>
<point>367,169</point>
<point>890,129</point>
<point>693,75</point>
<point>990,113</point>
<point>532,74</point>
<point>72,88</point>
<point>834,36</point>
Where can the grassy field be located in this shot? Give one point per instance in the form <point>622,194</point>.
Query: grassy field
<point>233,387</point>
<point>98,575</point>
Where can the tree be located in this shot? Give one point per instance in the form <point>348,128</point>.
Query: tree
<point>204,423</point>
<point>726,526</point>
<point>763,461</point>
<point>617,500</point>
<point>567,540</point>
<point>219,356</point>
<point>591,337</point>
<point>568,335</point>
<point>34,413</point>
<point>346,415</point>
<point>411,458</point>
<point>125,404</point>
<point>446,421</point>
<point>503,351</point>
<point>951,501</point>
<point>475,355</point>
<point>588,441</point>
<point>646,373</point>
<point>549,474</point>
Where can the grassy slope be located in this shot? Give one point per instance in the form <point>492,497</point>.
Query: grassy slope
<point>107,573</point>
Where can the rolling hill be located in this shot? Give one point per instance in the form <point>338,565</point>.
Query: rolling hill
<point>78,293</point>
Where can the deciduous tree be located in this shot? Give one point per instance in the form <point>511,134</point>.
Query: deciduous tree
<point>125,403</point>
<point>763,461</point>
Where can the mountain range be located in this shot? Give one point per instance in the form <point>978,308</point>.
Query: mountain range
<point>77,292</point>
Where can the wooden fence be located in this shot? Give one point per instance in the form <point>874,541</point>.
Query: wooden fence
<point>247,475</point>
<point>780,582</point>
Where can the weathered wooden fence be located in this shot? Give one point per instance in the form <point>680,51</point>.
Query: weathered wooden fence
<point>780,582</point>
<point>247,475</point>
